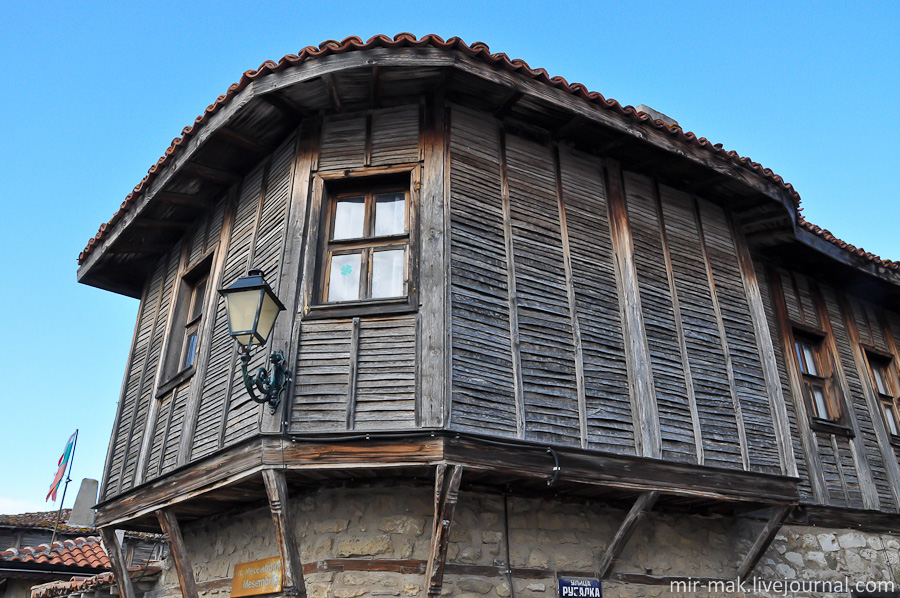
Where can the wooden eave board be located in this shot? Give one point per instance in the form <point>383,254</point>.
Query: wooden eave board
<point>472,83</point>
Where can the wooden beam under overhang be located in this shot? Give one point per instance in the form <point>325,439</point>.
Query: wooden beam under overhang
<point>155,223</point>
<point>138,248</point>
<point>640,507</point>
<point>508,102</point>
<point>187,200</point>
<point>210,477</point>
<point>118,561</point>
<point>331,88</point>
<point>292,583</point>
<point>209,173</point>
<point>290,110</point>
<point>232,137</point>
<point>763,540</point>
<point>183,567</point>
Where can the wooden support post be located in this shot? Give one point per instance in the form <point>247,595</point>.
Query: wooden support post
<point>170,527</point>
<point>119,565</point>
<point>640,507</point>
<point>446,494</point>
<point>765,537</point>
<point>292,583</point>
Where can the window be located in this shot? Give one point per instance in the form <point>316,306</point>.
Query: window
<point>366,257</point>
<point>885,385</point>
<point>184,335</point>
<point>818,383</point>
<point>197,292</point>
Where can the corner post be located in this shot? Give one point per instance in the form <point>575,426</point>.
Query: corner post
<point>292,583</point>
<point>446,495</point>
<point>183,567</point>
<point>119,564</point>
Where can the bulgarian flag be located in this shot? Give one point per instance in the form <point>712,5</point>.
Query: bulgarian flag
<point>61,471</point>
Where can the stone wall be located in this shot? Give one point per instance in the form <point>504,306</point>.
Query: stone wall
<point>545,536</point>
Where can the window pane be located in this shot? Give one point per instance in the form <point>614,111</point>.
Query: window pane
<point>798,348</point>
<point>820,402</point>
<point>343,279</point>
<point>891,417</point>
<point>387,273</point>
<point>349,218</point>
<point>190,347</point>
<point>197,299</point>
<point>880,380</point>
<point>390,214</point>
<point>809,354</point>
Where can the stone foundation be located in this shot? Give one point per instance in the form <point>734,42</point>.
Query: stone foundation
<point>342,529</point>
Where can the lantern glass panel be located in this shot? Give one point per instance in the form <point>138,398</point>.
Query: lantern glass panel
<point>242,308</point>
<point>267,316</point>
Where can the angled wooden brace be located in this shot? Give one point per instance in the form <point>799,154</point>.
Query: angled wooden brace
<point>119,564</point>
<point>292,583</point>
<point>640,507</point>
<point>763,540</point>
<point>446,494</point>
<point>183,567</point>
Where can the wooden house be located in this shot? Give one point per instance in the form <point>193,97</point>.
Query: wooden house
<point>534,334</point>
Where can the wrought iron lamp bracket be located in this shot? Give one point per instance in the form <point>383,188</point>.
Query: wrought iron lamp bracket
<point>271,385</point>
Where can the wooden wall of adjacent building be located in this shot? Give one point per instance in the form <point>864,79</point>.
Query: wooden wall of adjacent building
<point>853,465</point>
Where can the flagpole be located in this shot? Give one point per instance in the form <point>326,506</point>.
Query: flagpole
<point>63,499</point>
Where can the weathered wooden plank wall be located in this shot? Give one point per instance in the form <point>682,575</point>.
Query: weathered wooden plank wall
<point>857,467</point>
<point>525,364</point>
<point>359,374</point>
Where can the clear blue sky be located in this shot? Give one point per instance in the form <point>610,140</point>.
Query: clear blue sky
<point>95,91</point>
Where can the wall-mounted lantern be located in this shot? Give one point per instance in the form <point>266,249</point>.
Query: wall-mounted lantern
<point>251,308</point>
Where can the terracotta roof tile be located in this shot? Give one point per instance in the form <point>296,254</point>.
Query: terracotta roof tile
<point>478,50</point>
<point>481,51</point>
<point>78,552</point>
<point>43,520</point>
<point>86,584</point>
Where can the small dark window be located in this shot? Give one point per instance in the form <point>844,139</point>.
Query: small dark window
<point>818,382</point>
<point>367,248</point>
<point>197,292</point>
<point>184,335</point>
<point>885,383</point>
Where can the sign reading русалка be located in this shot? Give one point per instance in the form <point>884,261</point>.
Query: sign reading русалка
<point>576,587</point>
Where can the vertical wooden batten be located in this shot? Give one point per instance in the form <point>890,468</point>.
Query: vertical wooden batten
<point>433,301</point>
<point>288,274</point>
<point>573,311</point>
<point>110,451</point>
<point>294,258</point>
<point>882,434</point>
<point>119,564</point>
<point>292,583</point>
<point>192,411</point>
<point>679,330</point>
<point>351,374</point>
<point>515,342</point>
<point>446,495</point>
<point>648,441</point>
<point>723,338</point>
<point>766,350</point>
<point>807,438</point>
<point>183,567</point>
<point>857,447</point>
<point>142,380</point>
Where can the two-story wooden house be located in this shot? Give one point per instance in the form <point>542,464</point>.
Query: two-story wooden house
<point>533,334</point>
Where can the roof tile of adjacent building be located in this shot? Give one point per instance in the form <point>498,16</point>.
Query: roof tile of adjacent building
<point>480,51</point>
<point>80,585</point>
<point>80,552</point>
<point>43,520</point>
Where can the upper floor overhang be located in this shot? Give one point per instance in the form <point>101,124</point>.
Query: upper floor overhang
<point>245,125</point>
